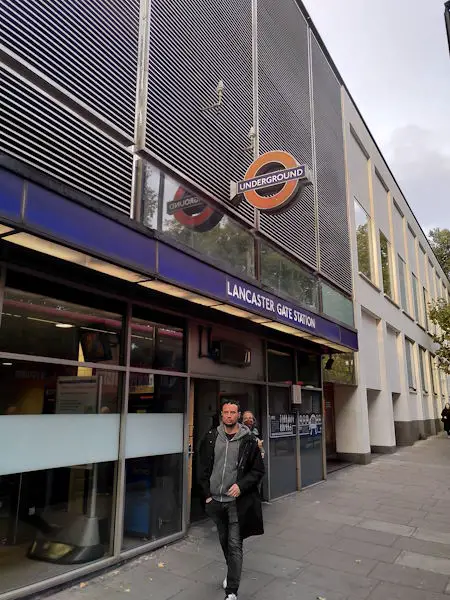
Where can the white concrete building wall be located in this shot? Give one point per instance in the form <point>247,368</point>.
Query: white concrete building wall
<point>396,413</point>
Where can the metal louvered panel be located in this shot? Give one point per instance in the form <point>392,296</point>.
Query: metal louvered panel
<point>284,116</point>
<point>36,130</point>
<point>208,42</point>
<point>334,242</point>
<point>88,47</point>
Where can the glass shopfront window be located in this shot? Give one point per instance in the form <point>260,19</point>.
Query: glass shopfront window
<point>189,220</point>
<point>280,364</point>
<point>156,346</point>
<point>38,324</point>
<point>286,276</point>
<point>336,305</point>
<point>54,520</point>
<point>309,369</point>
<point>154,452</point>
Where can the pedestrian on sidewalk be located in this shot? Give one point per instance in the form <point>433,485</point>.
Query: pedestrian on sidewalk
<point>230,470</point>
<point>248,419</point>
<point>445,418</point>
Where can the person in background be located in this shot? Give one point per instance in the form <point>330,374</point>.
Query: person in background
<point>230,471</point>
<point>249,421</point>
<point>445,418</point>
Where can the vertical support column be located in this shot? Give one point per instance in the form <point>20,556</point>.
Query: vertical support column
<point>381,413</point>
<point>351,414</point>
<point>255,66</point>
<point>313,146</point>
<point>402,410</point>
<point>140,118</point>
<point>121,479</point>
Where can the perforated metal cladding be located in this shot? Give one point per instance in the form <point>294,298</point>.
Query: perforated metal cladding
<point>334,243</point>
<point>37,131</point>
<point>284,116</point>
<point>193,45</point>
<point>89,47</point>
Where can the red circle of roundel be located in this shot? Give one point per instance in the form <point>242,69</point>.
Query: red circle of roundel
<point>202,221</point>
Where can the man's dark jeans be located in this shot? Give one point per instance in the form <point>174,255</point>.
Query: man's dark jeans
<point>224,515</point>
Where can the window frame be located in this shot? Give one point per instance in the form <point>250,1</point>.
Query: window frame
<point>391,292</point>
<point>358,207</point>
<point>410,365</point>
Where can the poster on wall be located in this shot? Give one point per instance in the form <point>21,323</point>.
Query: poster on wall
<point>77,395</point>
<point>310,424</point>
<point>282,425</point>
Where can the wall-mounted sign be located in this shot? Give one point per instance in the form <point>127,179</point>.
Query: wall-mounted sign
<point>192,212</point>
<point>272,181</point>
<point>310,424</point>
<point>247,296</point>
<point>282,425</point>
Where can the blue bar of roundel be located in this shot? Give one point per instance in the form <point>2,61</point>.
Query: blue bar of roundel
<point>10,195</point>
<point>189,272</point>
<point>87,230</point>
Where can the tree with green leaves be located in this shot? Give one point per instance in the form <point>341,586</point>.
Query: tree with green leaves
<point>440,242</point>
<point>439,314</point>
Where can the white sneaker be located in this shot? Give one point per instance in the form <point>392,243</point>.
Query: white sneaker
<point>224,584</point>
<point>231,597</point>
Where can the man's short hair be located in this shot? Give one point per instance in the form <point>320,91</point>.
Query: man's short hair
<point>230,401</point>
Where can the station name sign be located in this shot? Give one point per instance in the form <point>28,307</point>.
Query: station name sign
<point>246,296</point>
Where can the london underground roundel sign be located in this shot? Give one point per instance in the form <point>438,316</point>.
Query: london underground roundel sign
<point>191,212</point>
<point>272,181</point>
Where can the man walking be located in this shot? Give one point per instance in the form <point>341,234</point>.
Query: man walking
<point>230,470</point>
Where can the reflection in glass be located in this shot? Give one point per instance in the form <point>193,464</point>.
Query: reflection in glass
<point>336,305</point>
<point>363,240</point>
<point>169,207</point>
<point>153,498</point>
<point>308,369</point>
<point>280,363</point>
<point>156,394</point>
<point>156,346</point>
<point>385,251</point>
<point>54,520</point>
<point>33,388</point>
<point>285,275</point>
<point>35,324</point>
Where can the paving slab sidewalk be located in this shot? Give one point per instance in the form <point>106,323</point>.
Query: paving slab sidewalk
<point>376,532</point>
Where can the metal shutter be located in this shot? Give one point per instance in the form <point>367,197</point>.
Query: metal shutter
<point>285,119</point>
<point>88,47</point>
<point>334,243</point>
<point>36,130</point>
<point>193,45</point>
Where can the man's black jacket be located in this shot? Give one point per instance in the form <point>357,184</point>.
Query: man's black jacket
<point>250,471</point>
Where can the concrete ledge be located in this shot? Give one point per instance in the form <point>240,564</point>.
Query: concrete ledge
<point>383,449</point>
<point>439,426</point>
<point>353,457</point>
<point>430,427</point>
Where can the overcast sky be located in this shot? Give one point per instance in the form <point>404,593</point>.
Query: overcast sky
<point>394,57</point>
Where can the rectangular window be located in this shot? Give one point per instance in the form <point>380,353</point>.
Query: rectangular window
<point>336,305</point>
<point>423,370</point>
<point>433,373</point>
<point>363,240</point>
<point>415,289</point>
<point>286,276</point>
<point>385,252</point>
<point>53,327</point>
<point>402,281</point>
<point>410,365</point>
<point>426,301</point>
<point>189,220</point>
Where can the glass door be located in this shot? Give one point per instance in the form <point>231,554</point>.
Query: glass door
<point>310,433</point>
<point>283,443</point>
